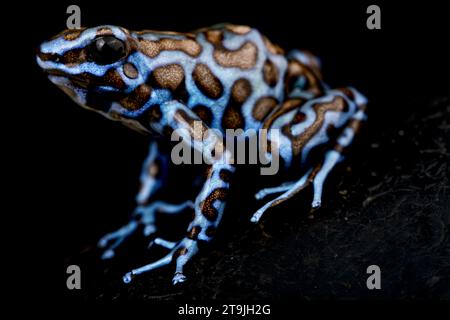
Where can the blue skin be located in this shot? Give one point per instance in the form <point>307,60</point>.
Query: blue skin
<point>183,250</point>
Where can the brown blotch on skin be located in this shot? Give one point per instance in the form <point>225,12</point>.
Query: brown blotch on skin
<point>168,77</point>
<point>153,170</point>
<point>86,80</point>
<point>165,33</point>
<point>298,142</point>
<point>137,98</point>
<point>69,33</point>
<point>232,117</point>
<point>238,29</point>
<point>207,82</point>
<point>347,92</point>
<point>206,206</point>
<point>152,48</point>
<point>214,36</point>
<point>130,70</point>
<point>74,57</point>
<point>295,70</point>
<point>104,32</point>
<point>193,233</point>
<point>313,62</point>
<point>192,127</point>
<point>72,34</point>
<point>271,47</point>
<point>285,107</point>
<point>355,125</point>
<point>270,73</point>
<point>113,79</point>
<point>204,113</point>
<point>244,57</point>
<point>241,90</point>
<point>263,107</point>
<point>299,117</point>
<point>47,56</point>
<point>125,31</point>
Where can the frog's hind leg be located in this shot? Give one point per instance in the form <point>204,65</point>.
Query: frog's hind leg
<point>317,175</point>
<point>182,251</point>
<point>289,190</point>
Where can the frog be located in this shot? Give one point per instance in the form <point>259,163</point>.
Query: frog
<point>209,80</point>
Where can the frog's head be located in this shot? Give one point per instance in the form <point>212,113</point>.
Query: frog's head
<point>96,67</point>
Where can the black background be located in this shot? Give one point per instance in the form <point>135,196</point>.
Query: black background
<point>84,169</point>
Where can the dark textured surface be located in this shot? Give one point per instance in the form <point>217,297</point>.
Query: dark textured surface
<point>388,205</point>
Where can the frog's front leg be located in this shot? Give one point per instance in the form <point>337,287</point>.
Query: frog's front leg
<point>210,202</point>
<point>152,177</point>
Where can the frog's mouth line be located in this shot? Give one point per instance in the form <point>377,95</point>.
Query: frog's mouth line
<point>76,80</point>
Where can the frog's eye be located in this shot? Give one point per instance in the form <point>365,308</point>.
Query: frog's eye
<point>107,49</point>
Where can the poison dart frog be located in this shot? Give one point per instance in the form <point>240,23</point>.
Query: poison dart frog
<point>222,77</point>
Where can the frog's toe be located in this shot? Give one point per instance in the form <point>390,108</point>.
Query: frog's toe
<point>178,278</point>
<point>166,244</point>
<point>289,189</point>
<point>316,204</point>
<point>108,254</point>
<point>267,191</point>
<point>257,215</point>
<point>163,243</point>
<point>149,230</point>
<point>128,277</point>
<point>102,242</point>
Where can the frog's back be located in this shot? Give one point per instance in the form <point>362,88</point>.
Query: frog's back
<point>232,76</point>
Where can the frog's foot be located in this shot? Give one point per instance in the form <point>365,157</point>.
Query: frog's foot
<point>180,252</point>
<point>267,191</point>
<point>289,188</point>
<point>315,176</point>
<point>319,173</point>
<point>145,215</point>
<point>116,238</point>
